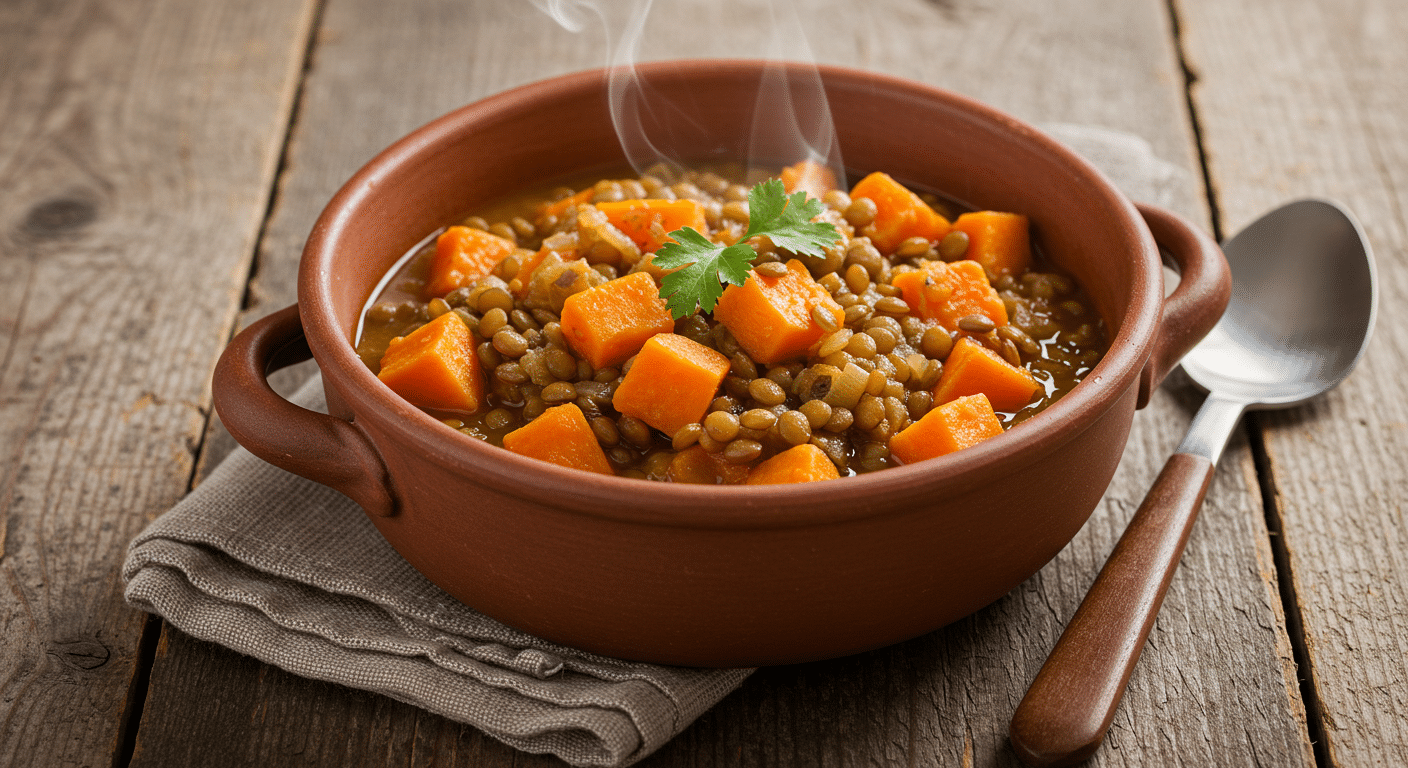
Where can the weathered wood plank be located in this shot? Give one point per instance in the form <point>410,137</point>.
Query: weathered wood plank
<point>1321,109</point>
<point>1215,686</point>
<point>137,149</point>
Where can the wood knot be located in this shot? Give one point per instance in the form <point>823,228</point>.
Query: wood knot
<point>84,654</point>
<point>59,216</point>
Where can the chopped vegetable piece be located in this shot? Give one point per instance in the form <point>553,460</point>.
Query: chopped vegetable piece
<point>899,213</point>
<point>610,322</point>
<point>671,383</point>
<point>799,464</point>
<point>555,278</point>
<point>972,368</point>
<point>847,388</point>
<point>435,366</point>
<point>464,255</point>
<point>952,426</point>
<point>698,466</point>
<point>808,176</point>
<point>771,317</point>
<point>602,241</point>
<point>647,221</point>
<point>998,241</point>
<point>945,293</point>
<point>562,436</point>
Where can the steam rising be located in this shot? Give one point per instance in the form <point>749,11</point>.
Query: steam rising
<point>790,108</point>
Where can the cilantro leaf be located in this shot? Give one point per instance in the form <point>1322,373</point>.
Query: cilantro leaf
<point>787,221</point>
<point>705,267</point>
<point>703,262</point>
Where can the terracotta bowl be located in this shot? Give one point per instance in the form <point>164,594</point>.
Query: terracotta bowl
<point>714,575</point>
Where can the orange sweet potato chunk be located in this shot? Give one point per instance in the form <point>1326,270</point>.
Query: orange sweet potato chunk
<point>945,293</point>
<point>608,323</point>
<point>638,219</point>
<point>771,317</point>
<point>463,255</point>
<point>671,383</point>
<point>803,463</point>
<point>972,368</point>
<point>950,427</point>
<point>808,176</point>
<point>899,213</point>
<point>435,366</point>
<point>698,466</point>
<point>562,436</point>
<point>999,241</point>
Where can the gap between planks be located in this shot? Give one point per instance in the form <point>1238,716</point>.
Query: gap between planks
<point>129,730</point>
<point>1265,477</point>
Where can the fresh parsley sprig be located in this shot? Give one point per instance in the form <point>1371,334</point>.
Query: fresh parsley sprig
<point>708,266</point>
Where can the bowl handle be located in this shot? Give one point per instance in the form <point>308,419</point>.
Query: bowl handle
<point>322,448</point>
<point>1204,289</point>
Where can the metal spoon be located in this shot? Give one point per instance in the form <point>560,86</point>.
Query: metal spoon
<point>1303,304</point>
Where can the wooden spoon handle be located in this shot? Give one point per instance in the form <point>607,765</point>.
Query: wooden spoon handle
<point>1063,718</point>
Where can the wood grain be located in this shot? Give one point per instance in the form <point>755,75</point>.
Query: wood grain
<point>1313,101</point>
<point>1216,685</point>
<point>136,156</point>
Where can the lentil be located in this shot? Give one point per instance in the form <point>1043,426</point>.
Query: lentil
<point>686,436</point>
<point>861,212</point>
<point>605,431</point>
<point>510,343</point>
<point>766,392</point>
<point>953,246</point>
<point>721,425</point>
<point>794,427</point>
<point>559,392</point>
<point>743,451</point>
<point>771,269</point>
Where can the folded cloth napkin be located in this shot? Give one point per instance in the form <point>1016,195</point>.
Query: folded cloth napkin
<point>294,574</point>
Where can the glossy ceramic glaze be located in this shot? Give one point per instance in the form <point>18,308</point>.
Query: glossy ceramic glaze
<point>720,576</point>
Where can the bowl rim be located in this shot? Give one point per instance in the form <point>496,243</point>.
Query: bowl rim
<point>717,506</point>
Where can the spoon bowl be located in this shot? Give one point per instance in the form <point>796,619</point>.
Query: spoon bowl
<point>1302,308</point>
<point>1303,301</point>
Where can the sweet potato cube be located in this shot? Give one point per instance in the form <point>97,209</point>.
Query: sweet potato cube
<point>972,368</point>
<point>771,317</point>
<point>609,323</point>
<point>799,464</point>
<point>808,176</point>
<point>945,293</point>
<point>647,221</point>
<point>952,426</point>
<point>671,383</point>
<point>562,436</point>
<point>463,255</point>
<point>999,241</point>
<point>899,213</point>
<point>698,466</point>
<point>435,366</point>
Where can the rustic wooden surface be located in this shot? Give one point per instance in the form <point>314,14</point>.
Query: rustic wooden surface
<point>138,149</point>
<point>172,156</point>
<point>1328,117</point>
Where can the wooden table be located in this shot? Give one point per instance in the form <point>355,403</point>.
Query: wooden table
<point>161,162</point>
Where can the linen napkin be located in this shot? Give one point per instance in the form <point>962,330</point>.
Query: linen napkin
<point>294,574</point>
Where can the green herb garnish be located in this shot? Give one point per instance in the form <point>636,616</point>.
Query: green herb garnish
<point>787,221</point>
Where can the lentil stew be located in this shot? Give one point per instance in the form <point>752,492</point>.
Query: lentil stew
<point>923,329</point>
